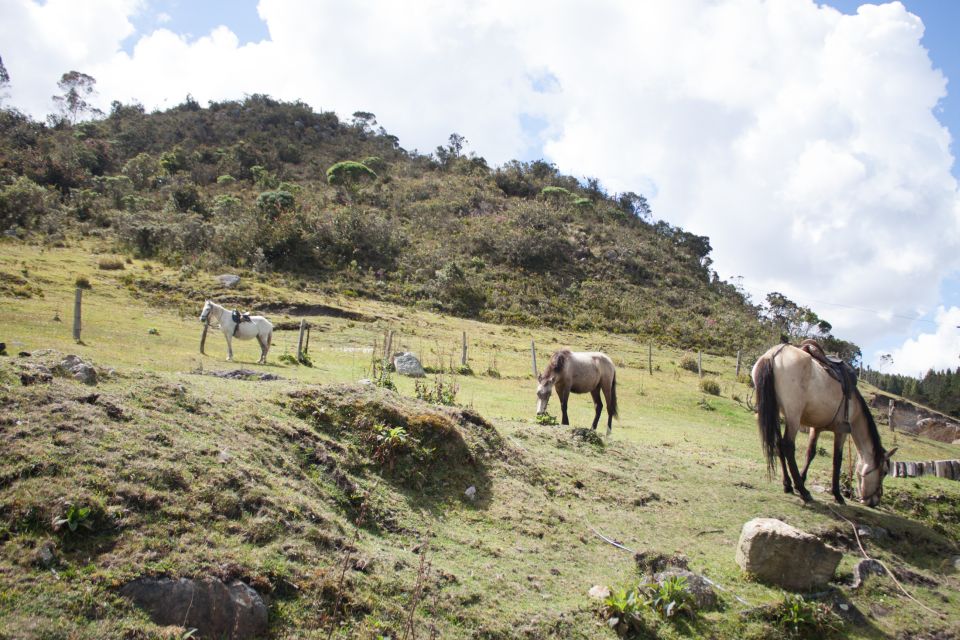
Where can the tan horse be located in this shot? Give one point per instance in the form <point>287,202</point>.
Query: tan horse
<point>789,381</point>
<point>579,372</point>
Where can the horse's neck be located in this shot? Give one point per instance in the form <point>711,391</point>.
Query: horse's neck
<point>860,431</point>
<point>219,311</point>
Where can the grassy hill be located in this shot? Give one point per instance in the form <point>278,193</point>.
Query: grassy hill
<point>244,185</point>
<point>286,485</point>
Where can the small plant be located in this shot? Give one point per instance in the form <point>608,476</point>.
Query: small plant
<point>75,518</point>
<point>623,611</point>
<point>83,282</point>
<point>689,363</point>
<point>289,358</point>
<point>802,619</point>
<point>389,441</point>
<point>153,332</point>
<point>710,386</point>
<point>465,370</point>
<point>381,376</point>
<point>545,419</point>
<point>440,392</point>
<point>704,404</point>
<point>671,597</point>
<point>110,264</point>
<point>226,180</point>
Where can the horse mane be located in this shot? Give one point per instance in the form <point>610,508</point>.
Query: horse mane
<point>872,431</point>
<point>557,361</point>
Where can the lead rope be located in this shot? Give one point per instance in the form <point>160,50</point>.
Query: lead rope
<point>856,535</point>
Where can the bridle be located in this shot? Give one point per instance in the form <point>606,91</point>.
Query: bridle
<point>879,490</point>
<point>212,310</point>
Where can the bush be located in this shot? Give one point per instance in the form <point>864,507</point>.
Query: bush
<point>440,392</point>
<point>226,180</point>
<point>83,282</point>
<point>802,619</point>
<point>111,264</point>
<point>710,386</point>
<point>22,203</point>
<point>689,363</point>
<point>142,170</point>
<point>349,173</point>
<point>273,203</point>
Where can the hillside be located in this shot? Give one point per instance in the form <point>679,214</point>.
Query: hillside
<point>243,186</point>
<point>288,486</point>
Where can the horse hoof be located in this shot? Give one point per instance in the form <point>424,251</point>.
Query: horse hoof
<point>839,499</point>
<point>787,488</point>
<point>806,496</point>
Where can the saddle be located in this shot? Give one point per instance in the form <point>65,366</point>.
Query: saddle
<point>239,317</point>
<point>839,370</point>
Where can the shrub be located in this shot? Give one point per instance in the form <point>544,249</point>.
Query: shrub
<point>375,164</point>
<point>440,392</point>
<point>83,282</point>
<point>225,180</point>
<point>273,203</point>
<point>111,264</point>
<point>710,386</point>
<point>142,170</point>
<point>689,363</point>
<point>349,175</point>
<point>22,203</point>
<point>557,195</point>
<point>544,419</point>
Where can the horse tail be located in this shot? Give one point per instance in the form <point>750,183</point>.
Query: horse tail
<point>768,413</point>
<point>612,403</point>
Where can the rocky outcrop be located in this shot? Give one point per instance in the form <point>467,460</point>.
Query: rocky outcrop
<point>214,609</point>
<point>779,554</point>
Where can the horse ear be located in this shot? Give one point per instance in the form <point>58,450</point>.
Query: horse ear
<point>889,454</point>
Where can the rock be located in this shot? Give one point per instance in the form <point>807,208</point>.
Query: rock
<point>364,381</point>
<point>35,374</point>
<point>651,562</point>
<point>407,364</point>
<point>216,610</point>
<point>777,553</point>
<point>471,493</point>
<point>84,373</point>
<point>45,556</point>
<point>228,280</point>
<point>599,592</point>
<point>224,456</point>
<point>863,569</point>
<point>704,597</point>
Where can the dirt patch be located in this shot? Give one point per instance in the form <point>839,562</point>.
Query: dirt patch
<point>300,310</point>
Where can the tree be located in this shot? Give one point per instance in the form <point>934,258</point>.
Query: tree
<point>795,321</point>
<point>77,89</point>
<point>446,155</point>
<point>634,204</point>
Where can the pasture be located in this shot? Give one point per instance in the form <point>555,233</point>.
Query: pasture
<point>209,476</point>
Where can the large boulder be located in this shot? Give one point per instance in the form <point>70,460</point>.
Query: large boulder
<point>407,364</point>
<point>779,554</point>
<point>214,609</point>
<point>228,280</point>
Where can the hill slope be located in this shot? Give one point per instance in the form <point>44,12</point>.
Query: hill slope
<point>244,185</point>
<point>285,484</point>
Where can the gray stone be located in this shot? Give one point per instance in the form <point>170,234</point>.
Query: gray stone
<point>470,493</point>
<point>216,610</point>
<point>228,280</point>
<point>785,556</point>
<point>863,569</point>
<point>704,597</point>
<point>84,373</point>
<point>407,364</point>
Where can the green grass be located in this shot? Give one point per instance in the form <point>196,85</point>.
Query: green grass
<point>201,476</point>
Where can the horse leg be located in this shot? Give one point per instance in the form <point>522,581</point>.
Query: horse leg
<point>263,350</point>
<point>564,396</point>
<point>788,450</point>
<point>811,452</point>
<point>608,392</point>
<point>787,484</point>
<point>838,440</point>
<point>598,405</point>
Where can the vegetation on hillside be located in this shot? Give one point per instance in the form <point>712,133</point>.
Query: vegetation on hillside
<point>265,185</point>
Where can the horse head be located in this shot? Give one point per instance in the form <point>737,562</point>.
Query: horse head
<point>206,311</point>
<point>871,478</point>
<point>545,382</point>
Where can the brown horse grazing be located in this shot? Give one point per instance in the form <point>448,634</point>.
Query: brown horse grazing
<point>789,381</point>
<point>579,372</point>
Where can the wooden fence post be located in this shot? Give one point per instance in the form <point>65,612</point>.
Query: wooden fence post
<point>306,347</point>
<point>650,358</point>
<point>738,364</point>
<point>463,354</point>
<point>203,336</point>
<point>76,314</point>
<point>388,347</point>
<point>700,363</point>
<point>533,354</point>
<point>303,327</point>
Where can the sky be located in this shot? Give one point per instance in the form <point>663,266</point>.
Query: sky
<point>813,143</point>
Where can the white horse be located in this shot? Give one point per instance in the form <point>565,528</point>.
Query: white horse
<point>258,327</point>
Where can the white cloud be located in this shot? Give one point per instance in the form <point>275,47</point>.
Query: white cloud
<point>938,350</point>
<point>801,140</point>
